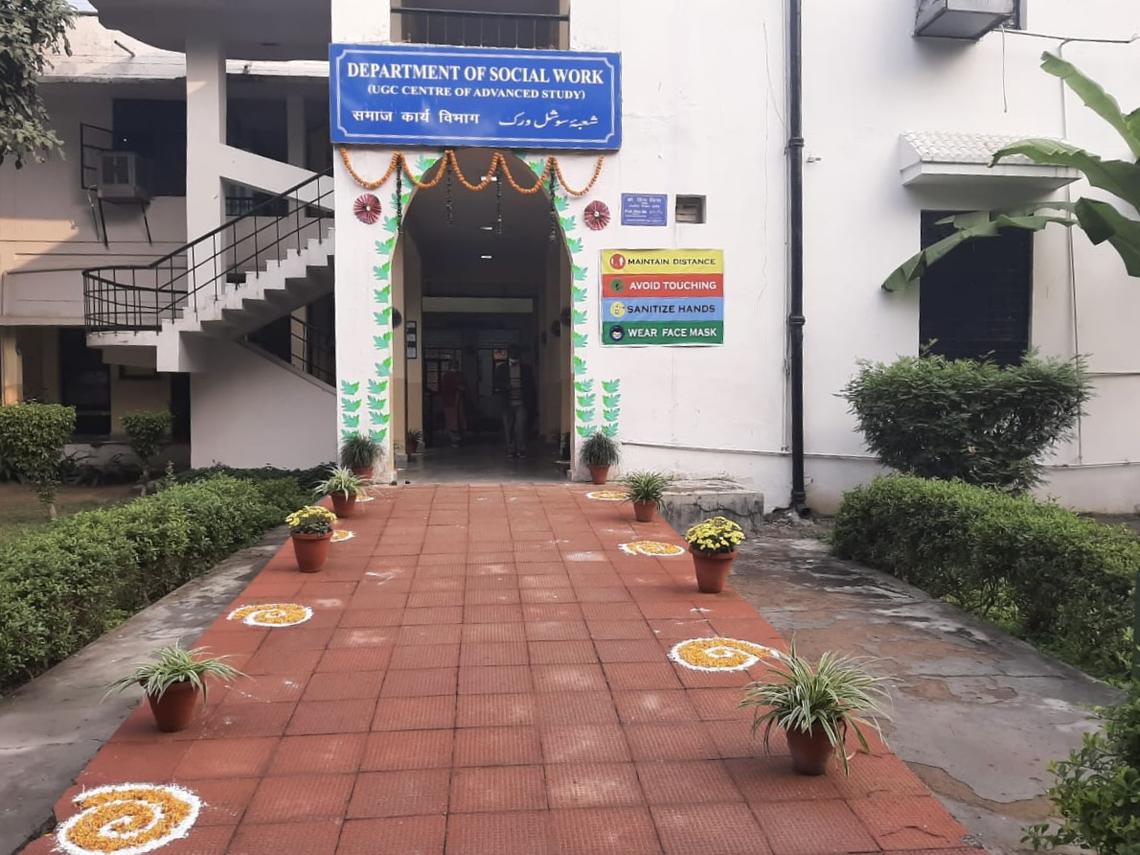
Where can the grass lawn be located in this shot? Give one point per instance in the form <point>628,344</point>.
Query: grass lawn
<point>20,510</point>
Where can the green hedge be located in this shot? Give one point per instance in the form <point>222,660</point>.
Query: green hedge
<point>1057,579</point>
<point>63,585</point>
<point>306,478</point>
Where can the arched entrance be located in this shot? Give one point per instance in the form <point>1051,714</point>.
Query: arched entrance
<point>476,275</point>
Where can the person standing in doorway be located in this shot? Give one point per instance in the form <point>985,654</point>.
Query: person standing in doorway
<point>452,390</point>
<point>515,384</point>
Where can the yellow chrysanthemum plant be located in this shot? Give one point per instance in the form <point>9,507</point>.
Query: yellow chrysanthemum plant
<point>311,520</point>
<point>715,536</point>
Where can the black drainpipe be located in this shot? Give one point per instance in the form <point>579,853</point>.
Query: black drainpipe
<point>796,248</point>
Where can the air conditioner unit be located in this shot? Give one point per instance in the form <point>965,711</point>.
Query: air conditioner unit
<point>961,19</point>
<point>124,176</point>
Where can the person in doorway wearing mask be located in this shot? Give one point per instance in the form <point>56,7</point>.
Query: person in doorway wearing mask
<point>514,382</point>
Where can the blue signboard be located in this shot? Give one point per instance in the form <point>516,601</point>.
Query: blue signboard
<point>407,95</point>
<point>644,209</point>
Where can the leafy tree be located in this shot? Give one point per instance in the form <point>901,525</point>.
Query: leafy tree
<point>1101,221</point>
<point>29,30</point>
<point>147,432</point>
<point>32,437</point>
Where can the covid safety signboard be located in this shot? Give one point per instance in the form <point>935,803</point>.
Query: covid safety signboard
<point>662,297</point>
<point>407,95</point>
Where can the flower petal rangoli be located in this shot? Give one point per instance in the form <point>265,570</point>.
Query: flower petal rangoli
<point>341,535</point>
<point>720,654</point>
<point>272,614</point>
<point>652,548</point>
<point>128,819</point>
<point>608,495</point>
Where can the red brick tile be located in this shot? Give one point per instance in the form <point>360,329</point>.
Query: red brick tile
<point>476,633</point>
<point>224,800</point>
<point>370,618</point>
<point>419,713</point>
<point>425,656</point>
<point>611,612</point>
<point>669,741</point>
<point>301,662</point>
<point>681,782</point>
<point>407,835</point>
<point>556,611</point>
<point>426,681</point>
<point>568,678</point>
<point>211,840</point>
<point>118,761</point>
<point>497,788</point>
<point>654,705</point>
<point>710,829</point>
<point>363,636</point>
<point>736,739</point>
<point>771,779</point>
<point>807,828</point>
<point>679,629</point>
<point>420,792</point>
<point>435,599</point>
<point>602,595</point>
<point>407,749</point>
<point>343,685</point>
<point>641,675</point>
<point>318,755</point>
<point>604,831</point>
<point>497,746</point>
<point>721,704</point>
<point>222,758</point>
<point>491,597</point>
<point>492,614</point>
<point>295,638</point>
<point>245,720</point>
<point>428,634</point>
<point>557,630</point>
<point>432,616</point>
<point>494,653</point>
<point>510,833</point>
<point>562,653</point>
<point>584,743</point>
<point>494,679</point>
<point>355,659</point>
<point>575,708</point>
<point>296,838</point>
<point>874,776</point>
<point>495,710</point>
<point>619,630</point>
<point>583,785</point>
<point>629,651</point>
<point>347,716</point>
<point>299,797</point>
<point>492,583</point>
<point>263,689</point>
<point>908,823</point>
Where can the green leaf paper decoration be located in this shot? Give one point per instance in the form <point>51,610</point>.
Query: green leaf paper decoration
<point>375,388</point>
<point>560,203</point>
<point>579,272</point>
<point>383,317</point>
<point>380,418</point>
<point>579,316</point>
<point>568,224</point>
<point>350,405</point>
<point>574,244</point>
<point>585,415</point>
<point>611,401</point>
<point>580,339</point>
<point>347,388</point>
<point>345,435</point>
<point>384,368</point>
<point>586,400</point>
<point>391,224</point>
<point>584,385</point>
<point>611,415</point>
<point>382,295</point>
<point>375,404</point>
<point>579,295</point>
<point>610,430</point>
<point>377,435</point>
<point>352,421</point>
<point>585,431</point>
<point>611,385</point>
<point>385,246</point>
<point>579,365</point>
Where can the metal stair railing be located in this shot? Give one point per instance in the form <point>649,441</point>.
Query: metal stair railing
<point>140,297</point>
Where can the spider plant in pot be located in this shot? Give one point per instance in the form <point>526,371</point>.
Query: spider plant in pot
<point>342,486</point>
<point>173,679</point>
<point>359,454</point>
<point>713,546</point>
<point>311,529</point>
<point>817,705</point>
<point>599,453</point>
<point>413,441</point>
<point>645,491</point>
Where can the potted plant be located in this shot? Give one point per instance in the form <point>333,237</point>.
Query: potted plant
<point>713,546</point>
<point>816,706</point>
<point>414,440</point>
<point>359,454</point>
<point>311,528</point>
<point>172,682</point>
<point>645,491</point>
<point>342,486</point>
<point>599,453</point>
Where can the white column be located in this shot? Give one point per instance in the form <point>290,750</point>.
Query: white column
<point>205,133</point>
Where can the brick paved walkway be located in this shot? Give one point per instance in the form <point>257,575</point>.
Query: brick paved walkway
<point>486,672</point>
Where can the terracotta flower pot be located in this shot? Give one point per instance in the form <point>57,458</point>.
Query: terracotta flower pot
<point>343,505</point>
<point>599,474</point>
<point>364,472</point>
<point>312,550</point>
<point>175,709</point>
<point>712,570</point>
<point>811,751</point>
<point>644,511</point>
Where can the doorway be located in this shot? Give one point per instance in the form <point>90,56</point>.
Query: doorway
<point>481,276</point>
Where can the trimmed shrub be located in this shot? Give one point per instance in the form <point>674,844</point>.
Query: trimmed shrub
<point>966,419</point>
<point>1055,578</point>
<point>306,478</point>
<point>63,585</point>
<point>32,437</point>
<point>147,431</point>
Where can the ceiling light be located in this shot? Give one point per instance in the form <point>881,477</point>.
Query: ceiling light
<point>486,257</point>
<point>491,178</point>
<point>486,228</point>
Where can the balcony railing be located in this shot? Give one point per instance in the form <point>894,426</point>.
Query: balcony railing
<point>481,29</point>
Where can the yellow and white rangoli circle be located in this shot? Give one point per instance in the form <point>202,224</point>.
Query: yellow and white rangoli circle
<point>652,548</point>
<point>128,819</point>
<point>272,614</point>
<point>363,498</point>
<point>720,654</point>
<point>341,535</point>
<point>608,495</point>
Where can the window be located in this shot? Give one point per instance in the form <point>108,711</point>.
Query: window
<point>156,130</point>
<point>976,301</point>
<point>491,23</point>
<point>84,383</point>
<point>689,209</point>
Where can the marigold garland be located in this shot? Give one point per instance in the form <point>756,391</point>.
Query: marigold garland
<point>272,614</point>
<point>720,654</point>
<point>128,819</point>
<point>498,165</point>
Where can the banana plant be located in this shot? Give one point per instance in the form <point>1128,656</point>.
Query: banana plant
<point>1101,221</point>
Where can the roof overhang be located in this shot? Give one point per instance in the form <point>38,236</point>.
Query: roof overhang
<point>933,158</point>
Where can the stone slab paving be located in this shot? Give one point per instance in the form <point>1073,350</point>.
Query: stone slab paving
<point>486,671</point>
